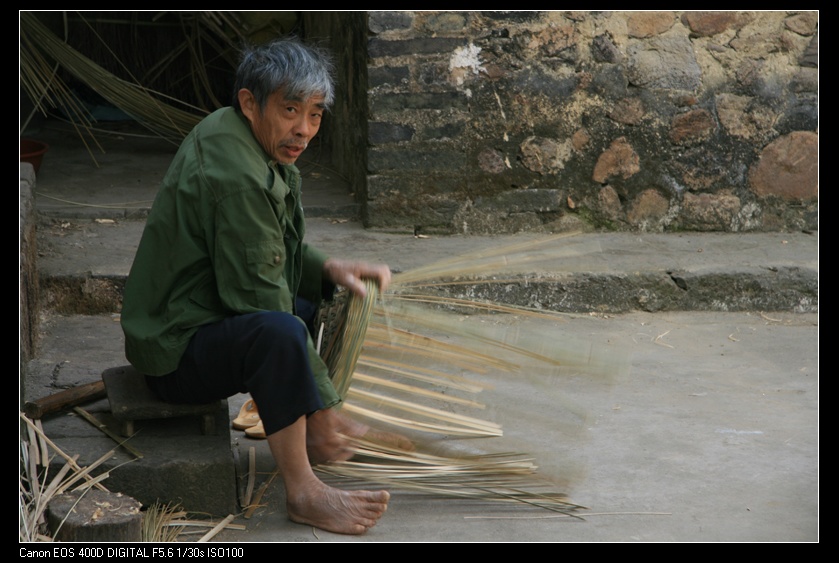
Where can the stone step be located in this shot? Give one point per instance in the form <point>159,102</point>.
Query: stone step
<point>83,266</point>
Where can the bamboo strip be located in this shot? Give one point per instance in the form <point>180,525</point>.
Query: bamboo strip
<point>493,259</point>
<point>104,429</point>
<point>431,465</point>
<point>259,492</point>
<point>59,477</point>
<point>493,343</point>
<point>416,390</point>
<point>465,356</point>
<point>416,425</point>
<point>423,355</point>
<point>488,306</point>
<point>433,413</point>
<point>219,527</point>
<point>422,374</point>
<point>58,450</point>
<point>251,476</point>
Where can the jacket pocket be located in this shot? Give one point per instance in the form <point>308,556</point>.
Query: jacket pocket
<point>266,261</point>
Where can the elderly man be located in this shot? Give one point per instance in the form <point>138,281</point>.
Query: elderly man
<point>222,276</point>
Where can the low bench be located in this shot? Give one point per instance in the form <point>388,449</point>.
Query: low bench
<point>131,400</point>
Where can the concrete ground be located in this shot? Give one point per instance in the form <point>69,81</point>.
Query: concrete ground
<point>707,432</point>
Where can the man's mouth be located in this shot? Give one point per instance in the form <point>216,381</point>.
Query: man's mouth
<point>291,151</point>
<point>295,147</point>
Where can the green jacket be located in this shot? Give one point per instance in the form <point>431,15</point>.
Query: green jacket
<point>224,237</point>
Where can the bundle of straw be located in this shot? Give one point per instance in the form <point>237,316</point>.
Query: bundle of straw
<point>345,321</point>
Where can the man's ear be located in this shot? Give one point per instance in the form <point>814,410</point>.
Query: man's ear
<point>248,103</point>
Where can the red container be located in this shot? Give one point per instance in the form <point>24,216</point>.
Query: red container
<point>32,151</point>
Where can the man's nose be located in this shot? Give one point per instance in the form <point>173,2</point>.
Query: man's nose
<point>302,127</point>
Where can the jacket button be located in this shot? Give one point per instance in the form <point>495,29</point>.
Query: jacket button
<point>277,259</point>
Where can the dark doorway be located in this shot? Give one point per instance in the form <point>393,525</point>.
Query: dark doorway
<point>187,60</point>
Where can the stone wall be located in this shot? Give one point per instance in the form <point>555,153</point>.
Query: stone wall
<point>488,122</point>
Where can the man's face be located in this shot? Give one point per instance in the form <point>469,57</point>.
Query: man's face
<point>285,127</point>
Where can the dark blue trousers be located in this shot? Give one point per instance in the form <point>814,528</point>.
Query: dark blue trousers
<point>264,354</point>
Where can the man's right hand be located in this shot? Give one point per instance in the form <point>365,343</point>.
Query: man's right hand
<point>349,274</point>
<point>327,434</point>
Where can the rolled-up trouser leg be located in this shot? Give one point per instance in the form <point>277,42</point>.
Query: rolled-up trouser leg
<point>264,354</point>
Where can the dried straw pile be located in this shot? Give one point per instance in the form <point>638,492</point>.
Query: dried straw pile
<point>37,487</point>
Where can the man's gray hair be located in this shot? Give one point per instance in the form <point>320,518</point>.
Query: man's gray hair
<point>300,71</point>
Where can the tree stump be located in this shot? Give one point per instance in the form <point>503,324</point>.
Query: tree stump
<point>95,516</point>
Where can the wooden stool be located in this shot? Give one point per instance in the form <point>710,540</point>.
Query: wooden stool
<point>131,399</point>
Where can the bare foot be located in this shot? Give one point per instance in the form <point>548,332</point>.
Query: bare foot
<point>335,510</point>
